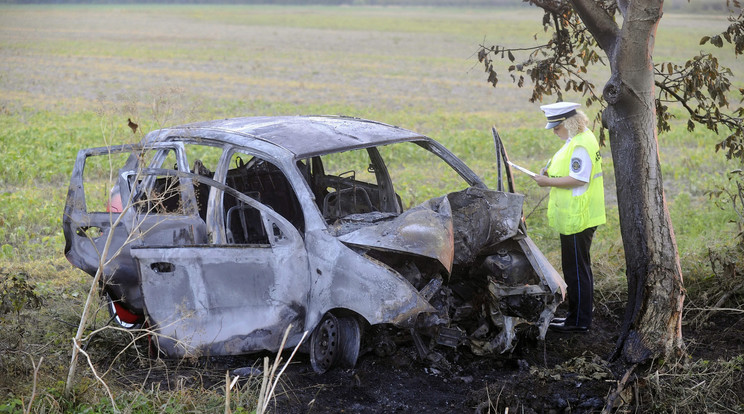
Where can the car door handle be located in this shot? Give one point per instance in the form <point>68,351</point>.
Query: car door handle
<point>163,267</point>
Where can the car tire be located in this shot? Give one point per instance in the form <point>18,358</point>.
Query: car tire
<point>350,341</point>
<point>335,342</point>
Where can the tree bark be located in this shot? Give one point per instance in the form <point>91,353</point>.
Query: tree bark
<point>653,314</point>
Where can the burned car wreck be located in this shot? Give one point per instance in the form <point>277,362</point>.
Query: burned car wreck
<point>219,235</point>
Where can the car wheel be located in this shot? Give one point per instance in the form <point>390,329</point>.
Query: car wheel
<point>335,342</point>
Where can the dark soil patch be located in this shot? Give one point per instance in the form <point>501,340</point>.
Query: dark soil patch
<point>565,373</point>
<point>721,336</point>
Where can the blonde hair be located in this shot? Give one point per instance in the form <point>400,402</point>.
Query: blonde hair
<point>576,124</point>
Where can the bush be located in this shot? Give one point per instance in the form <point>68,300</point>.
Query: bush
<point>15,294</point>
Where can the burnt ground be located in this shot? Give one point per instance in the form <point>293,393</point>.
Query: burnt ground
<point>563,374</point>
<point>567,373</point>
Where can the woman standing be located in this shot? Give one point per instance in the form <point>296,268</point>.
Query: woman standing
<point>576,207</point>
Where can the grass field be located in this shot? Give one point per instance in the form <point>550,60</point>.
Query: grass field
<point>71,76</point>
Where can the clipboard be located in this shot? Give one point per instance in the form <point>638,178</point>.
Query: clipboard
<point>522,169</point>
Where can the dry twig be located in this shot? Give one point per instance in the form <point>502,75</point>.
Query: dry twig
<point>36,378</point>
<point>269,383</point>
<point>95,374</point>
<point>621,385</point>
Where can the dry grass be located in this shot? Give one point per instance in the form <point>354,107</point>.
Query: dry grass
<point>695,387</point>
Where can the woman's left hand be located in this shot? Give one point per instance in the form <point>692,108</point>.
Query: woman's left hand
<point>541,180</point>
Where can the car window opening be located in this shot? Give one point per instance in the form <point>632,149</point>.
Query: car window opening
<point>265,183</point>
<point>347,183</point>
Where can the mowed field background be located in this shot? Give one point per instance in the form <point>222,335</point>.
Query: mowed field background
<point>71,76</point>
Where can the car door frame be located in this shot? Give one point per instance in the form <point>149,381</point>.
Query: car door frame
<point>109,244</point>
<point>188,318</point>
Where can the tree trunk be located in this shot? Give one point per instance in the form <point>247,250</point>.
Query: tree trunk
<point>653,315</point>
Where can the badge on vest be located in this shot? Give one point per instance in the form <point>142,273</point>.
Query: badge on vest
<point>575,164</point>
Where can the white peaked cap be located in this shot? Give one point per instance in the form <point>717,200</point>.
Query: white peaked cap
<point>559,112</point>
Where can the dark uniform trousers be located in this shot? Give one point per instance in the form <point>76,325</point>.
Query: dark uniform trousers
<point>577,272</point>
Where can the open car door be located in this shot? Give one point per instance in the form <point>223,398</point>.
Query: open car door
<point>106,214</point>
<point>228,298</point>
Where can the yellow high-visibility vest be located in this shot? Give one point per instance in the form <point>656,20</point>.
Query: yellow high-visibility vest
<point>570,214</point>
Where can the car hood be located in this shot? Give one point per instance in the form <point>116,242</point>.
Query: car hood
<point>451,229</point>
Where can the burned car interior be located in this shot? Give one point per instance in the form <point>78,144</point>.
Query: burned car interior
<point>220,235</point>
<point>265,183</point>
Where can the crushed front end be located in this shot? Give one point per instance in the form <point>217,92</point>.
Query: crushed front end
<point>486,282</point>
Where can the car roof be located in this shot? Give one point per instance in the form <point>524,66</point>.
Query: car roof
<point>303,136</point>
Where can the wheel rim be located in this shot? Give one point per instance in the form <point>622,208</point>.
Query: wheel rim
<point>324,344</point>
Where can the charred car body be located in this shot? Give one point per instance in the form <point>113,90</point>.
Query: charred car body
<point>221,234</point>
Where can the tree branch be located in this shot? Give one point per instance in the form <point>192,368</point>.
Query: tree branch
<point>599,22</point>
<point>725,119</point>
<point>548,5</point>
